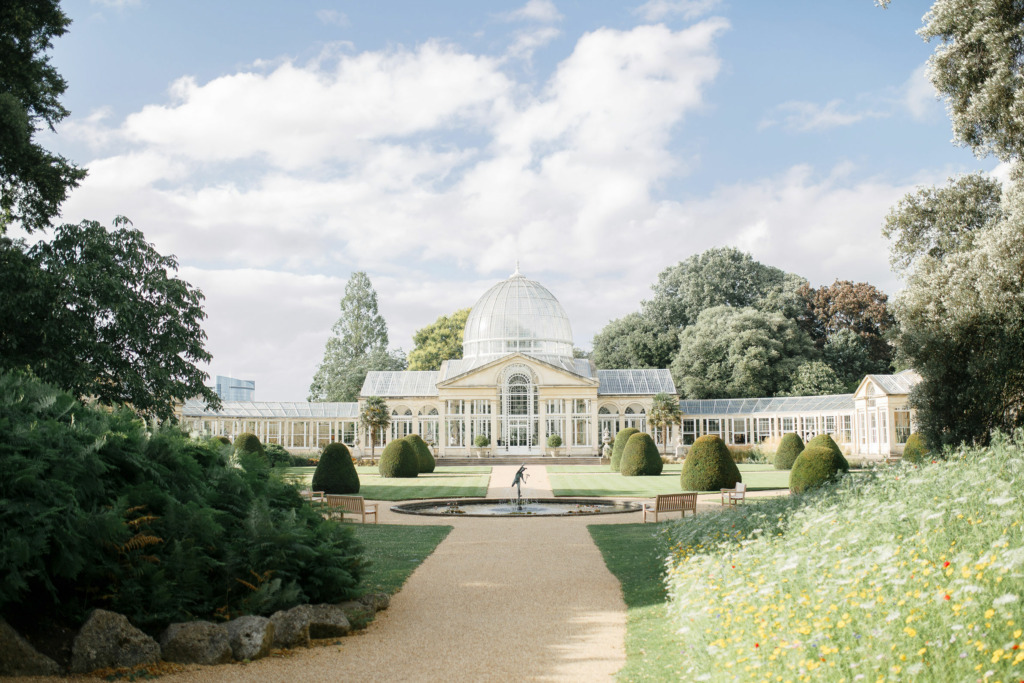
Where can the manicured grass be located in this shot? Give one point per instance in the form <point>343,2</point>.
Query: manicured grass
<point>444,482</point>
<point>599,484</point>
<point>674,467</point>
<point>394,551</point>
<point>635,554</point>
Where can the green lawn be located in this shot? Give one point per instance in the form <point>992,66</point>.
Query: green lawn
<point>444,482</point>
<point>635,554</point>
<point>394,551</point>
<point>604,483</point>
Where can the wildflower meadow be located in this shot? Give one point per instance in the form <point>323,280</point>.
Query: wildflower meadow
<point>900,573</point>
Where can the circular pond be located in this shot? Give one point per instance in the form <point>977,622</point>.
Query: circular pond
<point>533,507</point>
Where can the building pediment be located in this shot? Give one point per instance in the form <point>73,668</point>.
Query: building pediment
<point>490,374</point>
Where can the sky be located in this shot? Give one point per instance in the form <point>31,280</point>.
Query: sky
<point>276,148</point>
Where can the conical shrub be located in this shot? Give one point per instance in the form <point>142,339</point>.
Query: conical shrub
<point>621,439</point>
<point>335,473</point>
<point>424,458</point>
<point>815,467</point>
<point>250,454</point>
<point>640,457</point>
<point>789,448</point>
<point>399,461</point>
<point>708,466</point>
<point>914,450</point>
<point>826,441</point>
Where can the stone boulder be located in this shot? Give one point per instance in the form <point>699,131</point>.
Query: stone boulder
<point>108,640</point>
<point>251,637</point>
<point>328,621</point>
<point>196,642</point>
<point>359,614</point>
<point>378,601</point>
<point>291,627</point>
<point>18,658</point>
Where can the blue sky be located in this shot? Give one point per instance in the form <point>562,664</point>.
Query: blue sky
<point>277,147</point>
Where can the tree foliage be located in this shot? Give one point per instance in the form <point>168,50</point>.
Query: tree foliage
<point>439,341</point>
<point>100,314</point>
<point>621,439</point>
<point>709,466</point>
<point>664,413</point>
<point>359,344</point>
<point>739,353</point>
<point>336,474</point>
<point>33,181</point>
<point>374,417</point>
<point>634,341</point>
<point>815,378</point>
<point>846,306</point>
<point>640,457</point>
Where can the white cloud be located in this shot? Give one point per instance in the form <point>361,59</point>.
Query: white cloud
<point>919,96</point>
<point>527,42</point>
<point>808,116</point>
<point>543,11</point>
<point>657,10</point>
<point>332,17</point>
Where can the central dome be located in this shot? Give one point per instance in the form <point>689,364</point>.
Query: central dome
<point>517,315</point>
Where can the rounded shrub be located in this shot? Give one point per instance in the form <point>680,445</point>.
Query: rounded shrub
<point>619,445</point>
<point>222,439</point>
<point>248,442</point>
<point>399,461</point>
<point>335,474</point>
<point>424,458</point>
<point>640,457</point>
<point>826,441</point>
<point>278,455</point>
<point>709,466</point>
<point>789,448</point>
<point>481,441</point>
<point>815,467</point>
<point>914,450</point>
<point>250,454</point>
<point>554,441</point>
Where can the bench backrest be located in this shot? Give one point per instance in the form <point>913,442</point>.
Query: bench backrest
<point>672,502</point>
<point>346,503</point>
<point>740,487</point>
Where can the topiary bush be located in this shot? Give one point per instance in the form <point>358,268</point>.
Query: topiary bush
<point>619,445</point>
<point>250,454</point>
<point>554,441</point>
<point>278,455</point>
<point>826,441</point>
<point>481,441</point>
<point>789,448</point>
<point>914,450</point>
<point>640,457</point>
<point>399,461</point>
<point>222,440</point>
<point>709,466</point>
<point>816,466</point>
<point>335,474</point>
<point>424,458</point>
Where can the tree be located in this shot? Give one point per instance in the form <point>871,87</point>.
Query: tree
<point>98,313</point>
<point>634,341</point>
<point>33,181</point>
<point>358,345</point>
<point>857,307</point>
<point>664,413</point>
<point>815,378</point>
<point>739,353</point>
<point>374,417</point>
<point>847,356</point>
<point>719,277</point>
<point>438,342</point>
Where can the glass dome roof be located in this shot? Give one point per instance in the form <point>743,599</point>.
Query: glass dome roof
<point>517,315</point>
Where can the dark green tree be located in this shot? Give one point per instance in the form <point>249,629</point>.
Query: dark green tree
<point>814,378</point>
<point>850,307</point>
<point>100,314</point>
<point>634,341</point>
<point>359,344</point>
<point>336,473</point>
<point>33,181</point>
<point>439,341</point>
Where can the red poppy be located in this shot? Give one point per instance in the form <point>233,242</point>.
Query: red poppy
<point>945,565</point>
<point>947,597</point>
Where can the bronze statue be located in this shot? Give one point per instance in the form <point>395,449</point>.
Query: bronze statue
<point>521,477</point>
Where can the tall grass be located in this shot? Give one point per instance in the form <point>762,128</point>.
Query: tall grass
<point>907,573</point>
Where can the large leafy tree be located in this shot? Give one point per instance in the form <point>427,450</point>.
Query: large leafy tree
<point>634,341</point>
<point>438,342</point>
<point>99,313</point>
<point>739,353</point>
<point>357,345</point>
<point>33,181</point>
<point>815,378</point>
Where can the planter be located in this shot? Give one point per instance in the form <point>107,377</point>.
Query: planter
<point>484,452</point>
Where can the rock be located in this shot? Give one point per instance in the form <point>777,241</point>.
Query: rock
<point>18,658</point>
<point>291,627</point>
<point>359,614</point>
<point>251,637</point>
<point>196,642</point>
<point>108,640</point>
<point>379,601</point>
<point>328,621</point>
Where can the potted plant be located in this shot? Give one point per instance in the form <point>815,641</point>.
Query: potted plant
<point>480,446</point>
<point>554,443</point>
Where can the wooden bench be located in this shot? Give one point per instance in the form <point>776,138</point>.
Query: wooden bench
<point>350,505</point>
<point>313,497</point>
<point>672,502</point>
<point>736,495</point>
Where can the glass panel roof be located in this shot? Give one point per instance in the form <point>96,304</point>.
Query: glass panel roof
<point>635,382</point>
<point>781,404</point>
<point>278,409</point>
<point>401,383</point>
